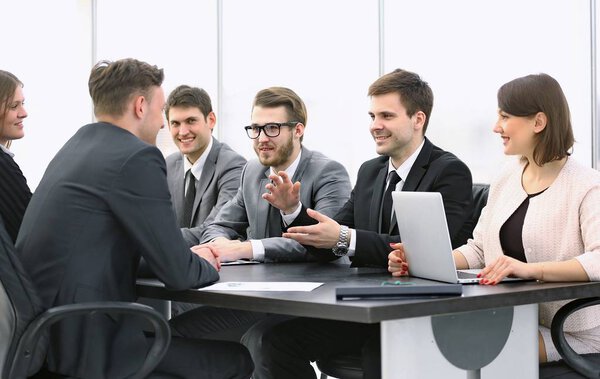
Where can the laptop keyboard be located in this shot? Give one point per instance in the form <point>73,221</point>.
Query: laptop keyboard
<point>466,275</point>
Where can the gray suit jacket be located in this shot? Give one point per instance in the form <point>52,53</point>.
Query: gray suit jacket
<point>219,182</point>
<point>325,188</point>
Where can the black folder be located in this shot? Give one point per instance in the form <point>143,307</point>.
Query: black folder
<point>397,291</point>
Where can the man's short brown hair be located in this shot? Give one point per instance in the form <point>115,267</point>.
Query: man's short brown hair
<point>189,97</point>
<point>274,97</point>
<point>415,94</point>
<point>112,84</point>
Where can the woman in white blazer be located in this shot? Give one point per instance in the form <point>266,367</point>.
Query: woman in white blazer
<point>542,219</point>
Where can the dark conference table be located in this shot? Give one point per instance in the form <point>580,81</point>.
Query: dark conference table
<point>486,323</point>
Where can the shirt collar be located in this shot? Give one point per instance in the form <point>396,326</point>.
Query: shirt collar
<point>405,167</point>
<point>7,151</point>
<point>199,164</point>
<point>291,170</point>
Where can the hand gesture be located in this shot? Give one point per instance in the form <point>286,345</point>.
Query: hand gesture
<point>282,193</point>
<point>323,235</point>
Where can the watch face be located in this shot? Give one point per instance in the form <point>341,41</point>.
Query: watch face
<point>340,249</point>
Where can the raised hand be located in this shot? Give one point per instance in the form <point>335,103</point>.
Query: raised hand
<point>282,193</point>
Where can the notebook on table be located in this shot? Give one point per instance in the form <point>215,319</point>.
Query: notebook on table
<point>424,232</point>
<point>397,290</point>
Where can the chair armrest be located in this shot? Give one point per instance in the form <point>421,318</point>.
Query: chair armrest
<point>29,339</point>
<point>577,362</point>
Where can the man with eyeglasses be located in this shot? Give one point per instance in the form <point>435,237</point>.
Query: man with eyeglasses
<point>248,227</point>
<point>365,228</point>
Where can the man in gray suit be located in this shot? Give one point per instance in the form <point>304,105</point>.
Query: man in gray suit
<point>205,173</point>
<point>248,227</point>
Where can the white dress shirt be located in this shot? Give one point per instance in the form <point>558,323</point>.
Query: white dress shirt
<point>258,249</point>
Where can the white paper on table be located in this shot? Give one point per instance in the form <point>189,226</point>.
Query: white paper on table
<point>263,286</point>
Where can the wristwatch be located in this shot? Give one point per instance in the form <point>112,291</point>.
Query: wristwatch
<point>341,247</point>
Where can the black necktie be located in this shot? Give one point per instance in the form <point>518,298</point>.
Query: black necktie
<point>386,209</point>
<point>188,204</point>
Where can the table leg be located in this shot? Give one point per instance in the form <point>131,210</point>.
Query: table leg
<point>424,347</point>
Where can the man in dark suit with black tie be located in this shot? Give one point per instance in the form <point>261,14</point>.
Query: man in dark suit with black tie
<point>205,173</point>
<point>401,105</point>
<point>102,205</point>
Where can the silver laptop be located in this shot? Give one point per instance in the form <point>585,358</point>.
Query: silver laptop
<point>424,233</point>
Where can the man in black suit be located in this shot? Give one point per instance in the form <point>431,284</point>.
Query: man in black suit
<point>401,104</point>
<point>102,205</point>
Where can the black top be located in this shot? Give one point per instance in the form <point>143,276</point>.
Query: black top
<point>511,233</point>
<point>14,194</point>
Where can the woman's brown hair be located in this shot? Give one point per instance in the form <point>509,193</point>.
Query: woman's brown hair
<point>525,97</point>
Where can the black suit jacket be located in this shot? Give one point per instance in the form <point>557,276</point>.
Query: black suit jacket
<point>102,204</point>
<point>434,170</point>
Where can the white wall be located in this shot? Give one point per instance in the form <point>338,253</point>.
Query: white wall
<point>47,45</point>
<point>327,51</point>
<point>466,49</point>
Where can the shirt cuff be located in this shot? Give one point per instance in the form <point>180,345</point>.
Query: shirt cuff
<point>288,219</point>
<point>258,250</point>
<point>352,246</point>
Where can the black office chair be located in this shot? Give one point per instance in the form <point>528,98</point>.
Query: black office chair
<point>480,196</point>
<point>348,366</point>
<point>24,322</point>
<point>342,366</point>
<point>572,365</point>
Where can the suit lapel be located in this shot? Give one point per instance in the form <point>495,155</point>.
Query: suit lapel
<point>265,218</point>
<point>376,200</point>
<point>177,183</point>
<point>208,171</point>
<point>416,173</point>
<point>419,168</point>
<point>305,156</point>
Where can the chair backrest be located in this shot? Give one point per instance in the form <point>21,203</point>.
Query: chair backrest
<point>19,305</point>
<point>480,196</point>
<point>479,193</point>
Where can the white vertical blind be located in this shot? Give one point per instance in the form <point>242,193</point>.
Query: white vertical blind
<point>467,49</point>
<point>179,36</point>
<point>327,51</point>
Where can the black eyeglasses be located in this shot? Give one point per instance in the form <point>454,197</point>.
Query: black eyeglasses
<point>272,129</point>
